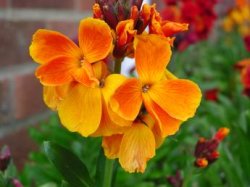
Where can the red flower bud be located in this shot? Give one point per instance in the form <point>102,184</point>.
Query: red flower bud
<point>5,157</point>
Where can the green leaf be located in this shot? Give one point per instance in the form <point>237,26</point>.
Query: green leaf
<point>69,165</point>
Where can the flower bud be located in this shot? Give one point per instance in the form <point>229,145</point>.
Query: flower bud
<point>201,162</point>
<point>221,133</point>
<point>5,157</point>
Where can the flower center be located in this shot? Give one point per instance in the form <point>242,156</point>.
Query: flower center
<point>101,83</point>
<point>81,62</point>
<point>145,88</point>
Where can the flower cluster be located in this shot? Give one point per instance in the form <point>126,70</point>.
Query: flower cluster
<point>133,115</point>
<point>244,67</point>
<point>239,18</point>
<point>206,150</point>
<point>199,14</point>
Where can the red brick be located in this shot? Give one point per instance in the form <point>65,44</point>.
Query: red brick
<point>3,3</point>
<point>48,4</point>
<point>83,5</point>
<point>20,145</point>
<point>68,28</point>
<point>27,96</point>
<point>15,39</point>
<point>5,102</point>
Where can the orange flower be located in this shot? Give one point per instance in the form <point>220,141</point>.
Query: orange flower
<point>135,146</point>
<point>244,66</point>
<point>169,101</point>
<point>62,61</point>
<point>85,109</point>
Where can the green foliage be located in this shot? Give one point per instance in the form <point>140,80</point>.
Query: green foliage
<point>69,165</point>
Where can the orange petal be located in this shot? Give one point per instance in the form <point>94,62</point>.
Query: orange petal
<point>107,127</point>
<point>57,71</point>
<point>53,95</point>
<point>81,110</point>
<point>137,147</point>
<point>179,98</point>
<point>47,45</point>
<point>95,39</point>
<point>170,28</point>
<point>125,31</point>
<point>152,55</point>
<point>112,82</point>
<point>127,100</point>
<point>85,75</point>
<point>111,145</point>
<point>166,125</point>
<point>97,12</point>
<point>151,123</point>
<point>100,70</point>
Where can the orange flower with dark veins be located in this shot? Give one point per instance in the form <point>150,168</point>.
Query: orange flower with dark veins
<point>135,146</point>
<point>169,101</point>
<point>62,61</point>
<point>85,109</point>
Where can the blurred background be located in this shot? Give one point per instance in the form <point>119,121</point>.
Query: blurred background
<point>208,57</point>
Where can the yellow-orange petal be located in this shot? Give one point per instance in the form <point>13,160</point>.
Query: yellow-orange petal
<point>137,147</point>
<point>81,110</point>
<point>57,71</point>
<point>170,28</point>
<point>111,83</point>
<point>47,45</point>
<point>95,39</point>
<point>111,145</point>
<point>100,70</point>
<point>179,98</point>
<point>152,54</point>
<point>53,95</point>
<point>151,123</point>
<point>147,11</point>
<point>127,99</point>
<point>85,75</point>
<point>169,75</point>
<point>166,125</point>
<point>107,127</point>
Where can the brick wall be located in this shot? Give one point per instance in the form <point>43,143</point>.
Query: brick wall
<point>20,92</point>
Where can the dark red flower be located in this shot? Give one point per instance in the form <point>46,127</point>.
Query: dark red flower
<point>175,180</point>
<point>206,150</point>
<point>247,42</point>
<point>212,94</point>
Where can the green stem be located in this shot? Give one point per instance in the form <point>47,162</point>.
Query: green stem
<point>118,64</point>
<point>108,172</point>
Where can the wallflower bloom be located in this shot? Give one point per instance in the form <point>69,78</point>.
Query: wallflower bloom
<point>135,146</point>
<point>244,67</point>
<point>62,61</point>
<point>169,101</point>
<point>85,109</point>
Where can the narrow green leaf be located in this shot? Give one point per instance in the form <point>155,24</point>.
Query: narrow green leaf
<point>69,165</point>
